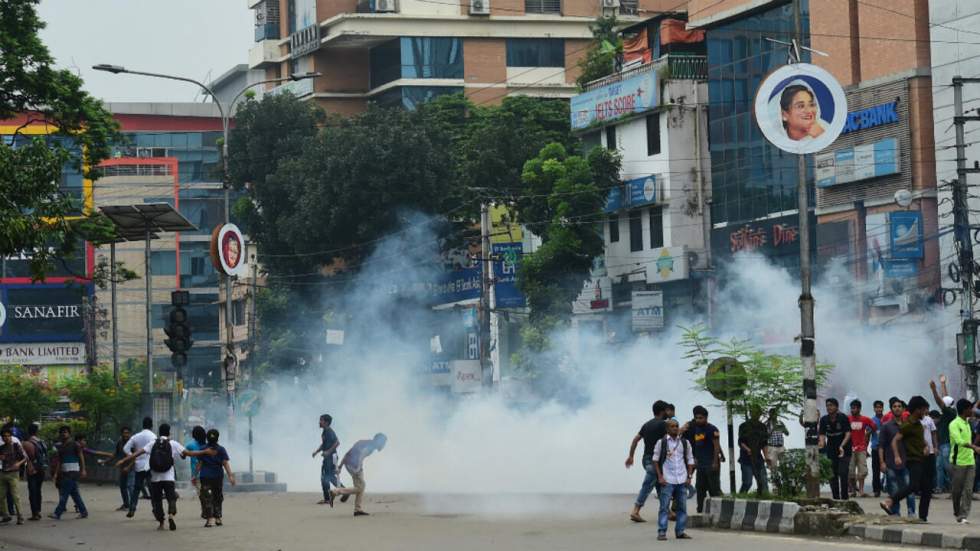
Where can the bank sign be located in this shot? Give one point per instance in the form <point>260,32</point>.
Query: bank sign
<point>612,101</point>
<point>42,313</point>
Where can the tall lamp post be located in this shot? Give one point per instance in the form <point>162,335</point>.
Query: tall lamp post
<point>226,115</point>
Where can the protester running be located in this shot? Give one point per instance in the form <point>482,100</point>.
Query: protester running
<point>353,461</point>
<point>650,433</point>
<point>136,443</point>
<point>328,470</point>
<point>911,434</point>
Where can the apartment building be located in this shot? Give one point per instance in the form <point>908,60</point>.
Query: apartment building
<point>402,52</point>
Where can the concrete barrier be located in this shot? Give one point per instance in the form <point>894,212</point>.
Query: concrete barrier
<point>751,515</point>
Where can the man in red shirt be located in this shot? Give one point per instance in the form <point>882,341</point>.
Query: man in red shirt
<point>861,429</point>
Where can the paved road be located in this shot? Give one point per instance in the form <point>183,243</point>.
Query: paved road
<point>291,522</point>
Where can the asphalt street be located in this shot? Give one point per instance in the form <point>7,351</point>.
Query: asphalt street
<point>293,522</point>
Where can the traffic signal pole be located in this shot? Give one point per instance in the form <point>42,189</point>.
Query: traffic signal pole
<point>964,242</point>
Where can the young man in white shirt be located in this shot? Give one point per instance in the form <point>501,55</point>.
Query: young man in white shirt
<point>142,469</point>
<point>674,462</point>
<point>162,474</point>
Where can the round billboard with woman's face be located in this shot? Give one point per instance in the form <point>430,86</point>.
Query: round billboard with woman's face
<point>800,108</point>
<point>228,249</point>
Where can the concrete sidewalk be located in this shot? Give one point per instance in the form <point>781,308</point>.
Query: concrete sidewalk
<point>941,530</point>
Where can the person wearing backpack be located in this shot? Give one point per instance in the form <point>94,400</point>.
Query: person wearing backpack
<point>161,453</point>
<point>37,464</point>
<point>674,463</point>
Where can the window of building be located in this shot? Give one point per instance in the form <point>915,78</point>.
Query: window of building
<point>542,6</point>
<point>614,228</point>
<point>653,134</point>
<point>163,263</point>
<point>410,97</point>
<point>611,138</point>
<point>238,312</point>
<point>416,57</point>
<point>656,227</point>
<point>535,52</point>
<point>636,231</point>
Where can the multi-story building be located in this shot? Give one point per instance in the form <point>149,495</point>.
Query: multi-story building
<point>401,52</point>
<point>880,55</point>
<point>652,114</point>
<point>169,154</point>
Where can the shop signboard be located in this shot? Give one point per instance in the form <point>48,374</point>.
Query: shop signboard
<point>648,310</point>
<point>42,313</point>
<point>507,260</point>
<point>905,229</point>
<point>633,95</point>
<point>853,164</point>
<point>466,376</point>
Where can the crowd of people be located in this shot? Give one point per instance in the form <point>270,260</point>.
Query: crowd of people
<point>914,451</point>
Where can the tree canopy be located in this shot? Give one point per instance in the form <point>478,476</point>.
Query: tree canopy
<point>37,217</point>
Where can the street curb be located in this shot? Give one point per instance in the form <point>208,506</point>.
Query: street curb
<point>913,535</point>
<point>751,515</point>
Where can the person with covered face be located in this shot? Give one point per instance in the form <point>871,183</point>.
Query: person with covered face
<point>800,113</point>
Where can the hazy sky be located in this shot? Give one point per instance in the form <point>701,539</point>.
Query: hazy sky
<point>192,38</point>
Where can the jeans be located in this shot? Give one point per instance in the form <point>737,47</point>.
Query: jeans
<point>943,468</point>
<point>34,483</point>
<point>139,482</point>
<point>679,494</point>
<point>649,482</point>
<point>875,472</point>
<point>759,473</point>
<point>838,480</point>
<point>328,476</point>
<point>69,487</point>
<point>961,483</point>
<point>919,478</point>
<point>708,482</point>
<point>127,481</point>
<point>159,490</point>
<point>896,481</point>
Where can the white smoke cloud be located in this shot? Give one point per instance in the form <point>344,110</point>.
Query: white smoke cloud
<point>482,444</point>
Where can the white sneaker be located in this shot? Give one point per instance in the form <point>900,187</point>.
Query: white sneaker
<point>963,521</point>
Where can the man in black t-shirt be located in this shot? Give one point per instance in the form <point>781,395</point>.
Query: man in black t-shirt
<point>706,443</point>
<point>328,447</point>
<point>835,435</point>
<point>651,432</point>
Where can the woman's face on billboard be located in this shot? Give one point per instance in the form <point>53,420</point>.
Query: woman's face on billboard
<point>800,116</point>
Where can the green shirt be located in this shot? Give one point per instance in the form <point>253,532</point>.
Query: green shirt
<point>913,436</point>
<point>960,436</point>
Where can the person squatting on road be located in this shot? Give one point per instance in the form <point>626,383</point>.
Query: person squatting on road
<point>328,470</point>
<point>674,465</point>
<point>354,462</point>
<point>214,463</point>
<point>650,433</point>
<point>912,435</point>
<point>706,443</point>
<point>12,458</point>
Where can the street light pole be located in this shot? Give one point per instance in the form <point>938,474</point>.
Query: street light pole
<point>225,123</point>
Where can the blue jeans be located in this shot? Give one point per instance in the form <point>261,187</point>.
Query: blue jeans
<point>895,481</point>
<point>679,493</point>
<point>139,482</point>
<point>761,478</point>
<point>328,476</point>
<point>943,468</point>
<point>69,487</point>
<point>649,482</point>
<point>127,481</point>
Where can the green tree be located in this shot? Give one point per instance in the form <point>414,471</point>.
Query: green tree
<point>105,406</point>
<point>771,380</point>
<point>24,398</point>
<point>606,45</point>
<point>36,217</point>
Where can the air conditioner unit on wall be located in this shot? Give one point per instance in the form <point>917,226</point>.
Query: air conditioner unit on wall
<point>610,3</point>
<point>386,6</point>
<point>479,7</point>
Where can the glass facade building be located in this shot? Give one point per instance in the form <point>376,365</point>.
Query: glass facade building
<point>416,57</point>
<point>750,177</point>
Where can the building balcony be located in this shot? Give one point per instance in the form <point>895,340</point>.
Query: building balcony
<point>298,88</point>
<point>264,52</point>
<point>668,67</point>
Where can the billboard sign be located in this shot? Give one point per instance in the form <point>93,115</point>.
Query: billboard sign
<point>648,310</point>
<point>905,229</point>
<point>670,264</point>
<point>642,191</point>
<point>228,250</point>
<point>466,376</point>
<point>507,260</point>
<point>612,101</point>
<point>42,313</point>
<point>853,164</point>
<point>42,353</point>
<point>800,108</point>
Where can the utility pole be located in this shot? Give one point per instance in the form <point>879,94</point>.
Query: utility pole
<point>251,322</point>
<point>808,359</point>
<point>115,326</point>
<point>964,241</point>
<point>486,277</point>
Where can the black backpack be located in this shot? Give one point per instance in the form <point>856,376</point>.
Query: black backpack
<point>161,456</point>
<point>41,461</point>
<point>663,450</point>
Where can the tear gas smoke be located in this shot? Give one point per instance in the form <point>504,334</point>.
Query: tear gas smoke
<point>482,444</point>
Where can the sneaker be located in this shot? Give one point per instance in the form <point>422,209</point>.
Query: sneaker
<point>131,514</point>
<point>963,521</point>
<point>173,525</point>
<point>54,516</point>
<point>683,536</point>
<point>661,537</point>
<point>344,498</point>
<point>360,514</point>
<point>82,516</point>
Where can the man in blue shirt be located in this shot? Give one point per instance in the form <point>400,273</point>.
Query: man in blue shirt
<point>328,447</point>
<point>879,407</point>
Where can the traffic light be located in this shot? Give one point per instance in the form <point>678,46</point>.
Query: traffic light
<point>179,332</point>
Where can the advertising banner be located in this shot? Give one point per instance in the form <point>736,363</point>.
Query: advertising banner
<point>648,310</point>
<point>42,353</point>
<point>614,201</point>
<point>800,108</point>
<point>507,260</point>
<point>612,101</point>
<point>905,229</point>
<point>42,313</point>
<point>642,191</point>
<point>670,265</point>
<point>466,376</point>
<point>853,164</point>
